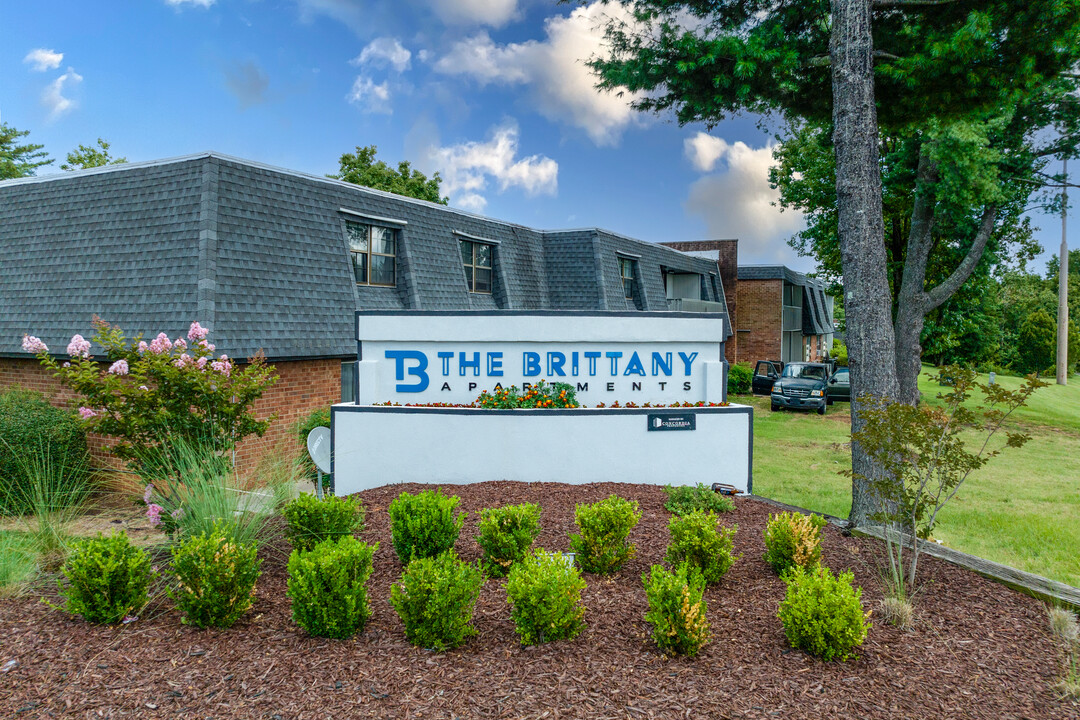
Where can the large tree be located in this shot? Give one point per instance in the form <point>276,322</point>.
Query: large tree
<point>18,159</point>
<point>91,156</point>
<point>861,66</point>
<point>361,168</point>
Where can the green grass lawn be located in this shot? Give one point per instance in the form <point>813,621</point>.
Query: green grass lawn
<point>1022,509</point>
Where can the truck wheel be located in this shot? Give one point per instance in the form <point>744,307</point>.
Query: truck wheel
<point>821,410</point>
<point>774,407</point>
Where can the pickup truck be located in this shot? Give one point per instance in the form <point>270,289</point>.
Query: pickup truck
<point>801,386</point>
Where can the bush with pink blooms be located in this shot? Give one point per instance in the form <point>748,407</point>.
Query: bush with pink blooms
<point>165,389</point>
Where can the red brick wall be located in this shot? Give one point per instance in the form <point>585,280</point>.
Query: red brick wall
<point>302,386</point>
<point>728,267</point>
<point>761,319</point>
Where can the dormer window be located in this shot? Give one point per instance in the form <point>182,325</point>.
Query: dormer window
<point>477,259</point>
<point>374,253</point>
<point>626,271</point>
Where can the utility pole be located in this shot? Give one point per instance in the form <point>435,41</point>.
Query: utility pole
<point>1063,285</point>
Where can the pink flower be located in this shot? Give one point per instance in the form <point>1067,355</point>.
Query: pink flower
<point>179,344</point>
<point>34,345</point>
<point>120,367</point>
<point>78,347</point>
<point>148,494</point>
<point>178,513</point>
<point>86,413</point>
<point>144,388</point>
<point>223,366</point>
<point>153,511</point>
<point>160,344</point>
<point>183,361</point>
<point>209,346</point>
<point>143,347</point>
<point>197,332</point>
<point>201,363</point>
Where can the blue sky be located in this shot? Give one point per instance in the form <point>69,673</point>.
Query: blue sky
<point>491,93</point>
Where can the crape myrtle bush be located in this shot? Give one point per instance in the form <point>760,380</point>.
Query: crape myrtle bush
<point>435,600</point>
<point>740,379</point>
<point>696,539</point>
<point>30,426</point>
<point>106,579</point>
<point>822,613</point>
<point>424,525</point>
<point>544,590</point>
<point>506,533</point>
<point>683,499</point>
<point>310,520</point>
<point>601,546</point>
<point>540,395</point>
<point>215,578</point>
<point>164,389</point>
<point>677,609</point>
<point>326,586</point>
<point>793,540</point>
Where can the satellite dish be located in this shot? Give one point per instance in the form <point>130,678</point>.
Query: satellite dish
<point>318,446</point>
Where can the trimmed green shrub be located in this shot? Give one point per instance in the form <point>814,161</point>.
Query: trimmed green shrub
<point>683,499</point>
<point>506,534</point>
<point>30,426</point>
<point>740,379</point>
<point>107,578</point>
<point>602,547</point>
<point>793,540</point>
<point>326,586</point>
<point>677,609</point>
<point>215,578</point>
<point>424,525</point>
<point>435,600</point>
<point>696,539</point>
<point>312,520</point>
<point>544,590</point>
<point>823,613</point>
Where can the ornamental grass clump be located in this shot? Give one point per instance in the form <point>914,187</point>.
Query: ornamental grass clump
<point>544,590</point>
<point>677,609</point>
<point>215,578</point>
<point>793,540</point>
<point>327,586</point>
<point>424,525</point>
<point>311,520</point>
<point>697,539</point>
<point>106,579</point>
<point>683,499</point>
<point>823,614</point>
<point>602,546</point>
<point>436,598</point>
<point>506,534</point>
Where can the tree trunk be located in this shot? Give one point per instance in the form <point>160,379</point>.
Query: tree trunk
<point>867,299</point>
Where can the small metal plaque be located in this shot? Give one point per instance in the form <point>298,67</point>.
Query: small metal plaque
<point>318,443</point>
<point>672,421</point>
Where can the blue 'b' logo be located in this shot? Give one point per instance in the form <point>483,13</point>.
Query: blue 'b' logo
<point>419,370</point>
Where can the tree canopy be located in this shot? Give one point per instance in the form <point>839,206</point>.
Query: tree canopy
<point>92,156</point>
<point>18,159</point>
<point>361,168</point>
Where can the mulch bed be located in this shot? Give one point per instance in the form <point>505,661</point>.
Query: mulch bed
<point>978,650</point>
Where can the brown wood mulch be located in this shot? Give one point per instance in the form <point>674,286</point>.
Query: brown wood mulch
<point>977,650</point>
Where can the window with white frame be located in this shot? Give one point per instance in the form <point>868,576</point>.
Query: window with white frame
<point>477,258</point>
<point>374,253</point>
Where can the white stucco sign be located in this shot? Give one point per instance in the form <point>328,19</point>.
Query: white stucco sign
<point>419,358</point>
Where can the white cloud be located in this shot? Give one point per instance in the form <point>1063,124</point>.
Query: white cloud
<point>495,13</point>
<point>53,97</point>
<point>467,167</point>
<point>354,14</point>
<point>564,88</point>
<point>41,59</point>
<point>383,52</point>
<point>736,200</point>
<point>194,3</point>
<point>371,98</point>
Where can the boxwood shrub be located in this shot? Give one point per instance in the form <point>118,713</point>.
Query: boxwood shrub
<point>311,520</point>
<point>327,586</point>
<point>602,545</point>
<point>506,534</point>
<point>424,525</point>
<point>793,540</point>
<point>106,579</point>
<point>544,590</point>
<point>215,578</point>
<point>684,499</point>
<point>823,614</point>
<point>435,600</point>
<point>30,425</point>
<point>697,539</point>
<point>677,609</point>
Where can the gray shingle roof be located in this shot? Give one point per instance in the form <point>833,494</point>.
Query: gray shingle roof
<point>258,254</point>
<point>817,318</point>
